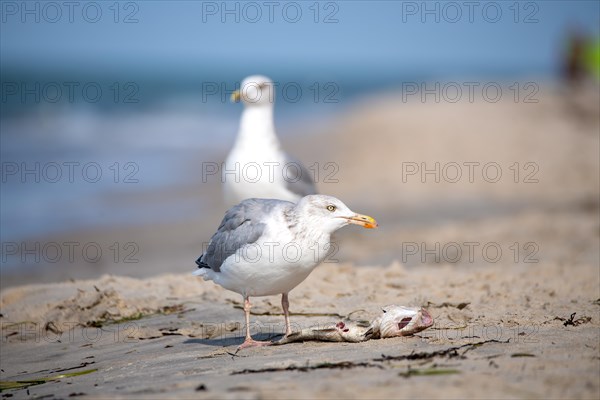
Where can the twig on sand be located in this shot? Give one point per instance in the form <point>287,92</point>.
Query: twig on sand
<point>306,368</point>
<point>374,363</point>
<point>572,321</point>
<point>451,352</point>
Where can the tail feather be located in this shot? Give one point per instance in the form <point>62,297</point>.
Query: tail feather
<point>201,265</point>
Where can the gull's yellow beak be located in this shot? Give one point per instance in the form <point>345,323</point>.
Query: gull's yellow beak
<point>363,220</point>
<point>235,96</point>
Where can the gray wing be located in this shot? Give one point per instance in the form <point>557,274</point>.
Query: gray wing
<point>302,185</point>
<point>243,224</point>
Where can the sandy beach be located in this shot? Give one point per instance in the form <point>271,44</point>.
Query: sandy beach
<point>489,218</point>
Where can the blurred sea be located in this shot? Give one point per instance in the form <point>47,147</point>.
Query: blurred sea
<point>65,163</point>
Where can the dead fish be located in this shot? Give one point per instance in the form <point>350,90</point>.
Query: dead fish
<point>394,321</point>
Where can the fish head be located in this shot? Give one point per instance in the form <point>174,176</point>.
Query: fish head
<point>403,321</point>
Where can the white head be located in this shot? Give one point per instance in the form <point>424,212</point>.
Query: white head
<point>329,214</point>
<point>255,91</point>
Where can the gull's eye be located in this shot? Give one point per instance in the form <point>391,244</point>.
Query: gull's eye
<point>331,207</point>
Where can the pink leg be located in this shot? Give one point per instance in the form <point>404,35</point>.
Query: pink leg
<point>249,342</point>
<point>285,304</point>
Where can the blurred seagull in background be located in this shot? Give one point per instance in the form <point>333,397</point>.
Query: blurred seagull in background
<point>265,247</point>
<point>256,166</point>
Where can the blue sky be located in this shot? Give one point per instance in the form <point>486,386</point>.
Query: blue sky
<point>369,37</point>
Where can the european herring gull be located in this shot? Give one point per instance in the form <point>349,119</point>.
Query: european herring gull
<point>265,247</point>
<point>256,165</point>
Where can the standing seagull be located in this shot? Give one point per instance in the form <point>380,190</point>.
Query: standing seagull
<point>264,247</point>
<point>256,165</point>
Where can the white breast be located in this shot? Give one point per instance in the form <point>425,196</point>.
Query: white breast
<point>251,173</point>
<point>273,265</point>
